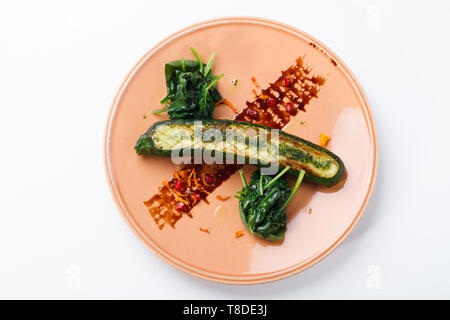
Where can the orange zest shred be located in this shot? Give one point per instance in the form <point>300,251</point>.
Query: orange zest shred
<point>196,180</point>
<point>239,233</point>
<point>183,200</point>
<point>220,102</point>
<point>324,139</point>
<point>228,103</point>
<point>180,194</point>
<point>204,230</point>
<point>254,82</point>
<point>190,176</point>
<point>183,173</point>
<point>219,197</point>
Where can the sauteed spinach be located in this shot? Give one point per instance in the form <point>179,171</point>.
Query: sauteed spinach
<point>191,89</point>
<point>262,204</point>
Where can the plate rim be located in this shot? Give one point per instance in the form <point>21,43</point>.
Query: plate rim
<point>256,278</point>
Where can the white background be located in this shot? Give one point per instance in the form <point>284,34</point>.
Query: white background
<point>61,63</point>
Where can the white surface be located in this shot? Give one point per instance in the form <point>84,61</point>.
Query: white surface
<point>61,63</point>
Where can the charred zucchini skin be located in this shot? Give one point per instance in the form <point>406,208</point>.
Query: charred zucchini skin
<point>296,157</point>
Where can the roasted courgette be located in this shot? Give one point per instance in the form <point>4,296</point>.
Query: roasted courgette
<point>321,166</point>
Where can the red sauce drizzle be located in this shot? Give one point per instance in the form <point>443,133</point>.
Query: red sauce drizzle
<point>273,107</point>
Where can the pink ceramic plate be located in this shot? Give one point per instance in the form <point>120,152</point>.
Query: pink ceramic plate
<point>245,47</point>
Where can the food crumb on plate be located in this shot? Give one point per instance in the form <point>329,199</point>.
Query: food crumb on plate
<point>219,197</point>
<point>324,139</point>
<point>239,233</point>
<point>204,230</point>
<point>228,103</point>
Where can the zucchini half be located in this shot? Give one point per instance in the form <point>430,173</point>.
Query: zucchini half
<point>239,141</point>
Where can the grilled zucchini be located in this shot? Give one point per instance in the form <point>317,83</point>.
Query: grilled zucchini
<point>238,140</point>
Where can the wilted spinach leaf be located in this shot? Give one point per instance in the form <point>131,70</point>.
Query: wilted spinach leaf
<point>262,204</point>
<point>191,89</point>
